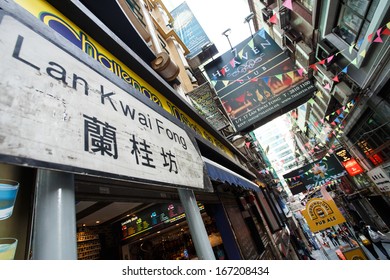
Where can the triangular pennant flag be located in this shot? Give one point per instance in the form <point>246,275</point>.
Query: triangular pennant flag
<point>378,40</point>
<point>251,44</point>
<point>240,54</point>
<point>386,32</point>
<point>313,66</point>
<point>336,79</point>
<point>322,62</point>
<point>232,62</point>
<point>266,79</point>
<point>225,82</point>
<point>262,33</point>
<point>311,101</point>
<point>360,42</point>
<point>354,62</point>
<point>327,118</point>
<point>341,116</point>
<point>319,94</point>
<point>288,4</point>
<point>300,71</point>
<point>273,19</point>
<point>388,25</point>
<point>291,74</point>
<point>223,71</point>
<point>279,77</point>
<point>346,110</point>
<point>327,86</point>
<point>338,111</point>
<point>333,123</point>
<point>369,38</point>
<point>345,69</point>
<point>337,120</point>
<point>248,144</point>
<point>329,59</point>
<point>378,32</point>
<point>213,83</point>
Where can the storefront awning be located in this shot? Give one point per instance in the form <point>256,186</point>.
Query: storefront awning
<point>219,173</point>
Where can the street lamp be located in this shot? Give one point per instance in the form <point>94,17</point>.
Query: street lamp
<point>227,33</point>
<point>248,19</point>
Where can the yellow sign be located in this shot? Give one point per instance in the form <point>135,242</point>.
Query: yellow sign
<point>53,18</point>
<point>321,214</point>
<point>355,254</point>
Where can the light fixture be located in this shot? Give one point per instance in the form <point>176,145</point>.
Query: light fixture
<point>238,141</point>
<point>227,33</point>
<point>248,19</point>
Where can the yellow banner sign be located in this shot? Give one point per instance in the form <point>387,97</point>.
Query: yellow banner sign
<point>321,214</point>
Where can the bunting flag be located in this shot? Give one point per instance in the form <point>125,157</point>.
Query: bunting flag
<point>327,86</point>
<point>354,62</point>
<point>288,4</point>
<point>329,59</point>
<point>345,69</point>
<point>360,42</point>
<point>251,44</point>
<point>262,33</point>
<point>336,79</point>
<point>300,71</point>
<point>273,19</point>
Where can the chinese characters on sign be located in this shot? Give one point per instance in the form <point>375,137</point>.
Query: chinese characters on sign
<point>96,127</point>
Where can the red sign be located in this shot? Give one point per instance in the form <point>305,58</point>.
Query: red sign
<point>353,167</point>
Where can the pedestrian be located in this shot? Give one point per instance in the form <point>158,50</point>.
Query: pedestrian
<point>303,251</point>
<point>374,236</point>
<point>331,237</point>
<point>345,237</point>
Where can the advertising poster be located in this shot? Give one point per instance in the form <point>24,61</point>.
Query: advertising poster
<point>189,30</point>
<point>203,101</point>
<point>16,194</point>
<point>321,214</point>
<point>256,81</point>
<point>315,174</point>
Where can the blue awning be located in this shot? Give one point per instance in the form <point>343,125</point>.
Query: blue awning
<point>220,173</point>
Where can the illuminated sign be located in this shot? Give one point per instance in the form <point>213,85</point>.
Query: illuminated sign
<point>59,112</point>
<point>50,16</point>
<point>353,167</point>
<point>321,214</point>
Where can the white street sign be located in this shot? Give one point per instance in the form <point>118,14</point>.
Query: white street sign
<point>56,110</point>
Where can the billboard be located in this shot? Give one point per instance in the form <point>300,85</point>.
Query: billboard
<point>256,81</point>
<point>314,174</point>
<point>189,30</point>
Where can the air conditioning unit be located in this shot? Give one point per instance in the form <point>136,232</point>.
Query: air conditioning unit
<point>267,14</point>
<point>304,55</point>
<point>285,17</point>
<point>324,76</point>
<point>342,92</point>
<point>325,49</point>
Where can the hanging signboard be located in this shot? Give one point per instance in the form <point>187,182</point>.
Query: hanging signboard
<point>256,81</point>
<point>203,101</point>
<point>58,112</point>
<point>321,214</point>
<point>380,178</point>
<point>315,174</point>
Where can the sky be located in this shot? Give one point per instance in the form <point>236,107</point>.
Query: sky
<point>215,16</point>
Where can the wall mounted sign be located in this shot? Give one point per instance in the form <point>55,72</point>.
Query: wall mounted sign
<point>57,111</point>
<point>353,167</point>
<point>321,214</point>
<point>380,178</point>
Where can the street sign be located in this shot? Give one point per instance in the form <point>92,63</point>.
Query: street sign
<point>58,112</point>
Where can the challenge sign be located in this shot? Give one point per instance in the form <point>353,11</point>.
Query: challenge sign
<point>321,214</point>
<point>57,112</point>
<point>256,81</point>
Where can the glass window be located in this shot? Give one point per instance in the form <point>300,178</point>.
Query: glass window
<point>308,4</point>
<point>354,19</point>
